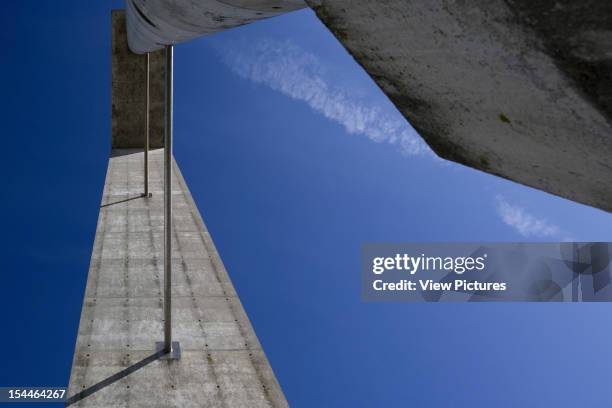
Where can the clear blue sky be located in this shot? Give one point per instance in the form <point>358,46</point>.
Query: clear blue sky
<point>295,158</point>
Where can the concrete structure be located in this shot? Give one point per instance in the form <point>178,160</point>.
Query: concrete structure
<point>517,88</point>
<point>115,361</point>
<point>128,91</point>
<point>222,364</point>
<point>153,24</point>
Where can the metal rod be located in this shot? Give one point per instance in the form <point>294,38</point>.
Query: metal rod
<point>168,205</point>
<point>146,146</point>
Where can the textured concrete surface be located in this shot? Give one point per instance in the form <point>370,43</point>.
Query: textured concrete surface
<point>128,91</point>
<point>152,24</point>
<point>521,89</point>
<point>114,365</point>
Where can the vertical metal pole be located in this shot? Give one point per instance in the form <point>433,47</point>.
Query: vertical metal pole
<point>168,205</point>
<point>168,349</point>
<point>146,145</point>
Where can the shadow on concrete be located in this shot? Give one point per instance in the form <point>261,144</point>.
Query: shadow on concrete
<point>122,201</point>
<point>124,152</point>
<point>118,152</point>
<point>114,378</point>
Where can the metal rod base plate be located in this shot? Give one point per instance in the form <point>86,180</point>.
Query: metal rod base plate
<point>175,354</point>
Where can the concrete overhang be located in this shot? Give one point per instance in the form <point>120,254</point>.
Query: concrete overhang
<point>517,88</point>
<point>153,24</point>
<point>520,88</point>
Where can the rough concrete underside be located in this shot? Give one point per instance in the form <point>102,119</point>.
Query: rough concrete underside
<point>152,24</point>
<point>521,89</point>
<point>222,362</point>
<point>128,91</point>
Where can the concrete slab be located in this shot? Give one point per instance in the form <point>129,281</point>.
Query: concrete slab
<point>153,24</point>
<point>518,88</point>
<point>222,364</point>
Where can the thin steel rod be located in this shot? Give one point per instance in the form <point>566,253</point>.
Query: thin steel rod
<point>146,145</point>
<point>168,205</point>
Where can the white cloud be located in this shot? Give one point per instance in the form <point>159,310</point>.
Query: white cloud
<point>524,223</point>
<point>286,68</point>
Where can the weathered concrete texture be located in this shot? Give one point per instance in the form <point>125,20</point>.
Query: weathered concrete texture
<point>152,24</point>
<point>128,91</point>
<point>222,363</point>
<point>578,35</point>
<point>520,89</point>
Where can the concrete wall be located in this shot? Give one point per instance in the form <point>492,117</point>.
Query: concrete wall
<point>222,363</point>
<point>128,91</point>
<point>115,361</point>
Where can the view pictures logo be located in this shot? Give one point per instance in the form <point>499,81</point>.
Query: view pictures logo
<point>413,264</point>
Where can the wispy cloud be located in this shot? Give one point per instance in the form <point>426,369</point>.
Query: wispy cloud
<point>301,75</point>
<point>526,224</point>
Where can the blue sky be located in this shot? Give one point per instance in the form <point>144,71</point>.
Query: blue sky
<point>295,158</point>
